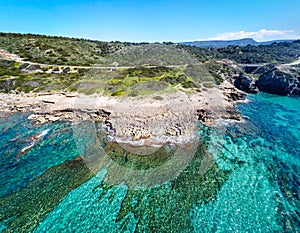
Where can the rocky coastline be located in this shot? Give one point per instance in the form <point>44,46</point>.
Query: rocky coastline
<point>171,117</point>
<point>279,80</point>
<point>132,119</point>
<point>147,117</point>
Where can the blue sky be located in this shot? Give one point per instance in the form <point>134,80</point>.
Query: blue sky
<point>153,20</point>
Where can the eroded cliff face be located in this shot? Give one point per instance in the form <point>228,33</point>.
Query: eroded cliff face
<point>246,83</point>
<point>280,80</point>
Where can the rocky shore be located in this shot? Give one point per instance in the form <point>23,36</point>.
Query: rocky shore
<point>131,118</point>
<point>279,80</point>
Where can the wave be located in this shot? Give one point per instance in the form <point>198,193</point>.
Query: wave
<point>35,139</point>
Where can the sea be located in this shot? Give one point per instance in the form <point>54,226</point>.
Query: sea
<point>243,177</point>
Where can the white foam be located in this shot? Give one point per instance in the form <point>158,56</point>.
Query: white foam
<point>42,134</point>
<point>26,148</point>
<point>35,139</point>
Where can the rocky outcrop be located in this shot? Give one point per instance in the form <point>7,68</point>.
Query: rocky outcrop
<point>233,114</point>
<point>68,115</point>
<point>233,94</point>
<point>204,115</point>
<point>278,82</point>
<point>246,83</point>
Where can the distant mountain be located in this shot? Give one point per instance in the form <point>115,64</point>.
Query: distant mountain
<point>225,43</point>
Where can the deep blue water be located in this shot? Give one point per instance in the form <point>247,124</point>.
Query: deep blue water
<point>260,194</point>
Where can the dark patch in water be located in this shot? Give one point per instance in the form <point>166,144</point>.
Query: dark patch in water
<point>32,203</point>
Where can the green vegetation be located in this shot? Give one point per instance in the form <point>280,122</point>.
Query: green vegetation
<point>150,54</point>
<point>82,52</point>
<point>57,50</point>
<point>201,54</point>
<point>276,53</point>
<point>144,80</point>
<point>157,67</point>
<point>55,56</point>
<point>13,79</point>
<point>158,97</point>
<point>141,80</point>
<point>211,72</point>
<point>74,51</point>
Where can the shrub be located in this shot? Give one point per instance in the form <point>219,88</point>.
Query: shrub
<point>158,97</point>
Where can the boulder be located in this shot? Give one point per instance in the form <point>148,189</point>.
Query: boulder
<point>233,114</point>
<point>246,83</point>
<point>204,115</point>
<point>235,96</point>
<point>279,83</point>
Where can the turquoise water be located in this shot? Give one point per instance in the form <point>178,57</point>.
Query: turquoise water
<point>16,133</point>
<point>253,185</point>
<point>263,195</point>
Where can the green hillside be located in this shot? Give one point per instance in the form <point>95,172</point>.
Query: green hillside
<point>117,68</point>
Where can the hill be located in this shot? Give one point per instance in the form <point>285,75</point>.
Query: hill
<point>275,53</point>
<point>37,63</point>
<point>225,43</point>
<point>82,52</point>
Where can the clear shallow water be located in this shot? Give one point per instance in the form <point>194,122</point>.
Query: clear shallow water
<point>17,133</point>
<point>252,187</point>
<point>263,194</point>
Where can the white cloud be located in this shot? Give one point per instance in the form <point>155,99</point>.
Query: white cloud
<point>260,35</point>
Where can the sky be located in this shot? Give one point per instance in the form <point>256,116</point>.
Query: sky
<point>155,20</point>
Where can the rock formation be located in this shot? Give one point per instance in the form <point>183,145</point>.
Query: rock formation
<point>246,83</point>
<point>279,82</point>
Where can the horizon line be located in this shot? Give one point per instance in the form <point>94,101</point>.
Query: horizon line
<point>141,41</point>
